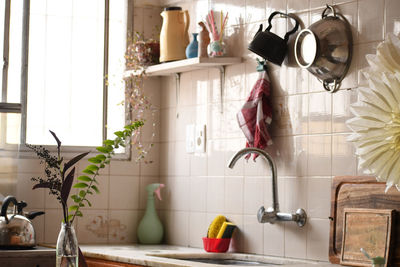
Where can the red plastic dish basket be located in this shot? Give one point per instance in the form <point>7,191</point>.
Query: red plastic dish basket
<point>216,244</point>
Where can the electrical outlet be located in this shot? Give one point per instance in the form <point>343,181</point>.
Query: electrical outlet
<point>200,139</point>
<point>190,138</point>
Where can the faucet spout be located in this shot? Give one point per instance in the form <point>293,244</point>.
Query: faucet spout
<point>272,214</point>
<point>247,150</point>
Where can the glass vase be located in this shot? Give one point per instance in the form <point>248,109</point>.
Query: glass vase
<point>67,247</point>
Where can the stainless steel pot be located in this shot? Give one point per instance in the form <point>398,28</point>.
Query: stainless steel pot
<point>16,229</point>
<point>325,49</point>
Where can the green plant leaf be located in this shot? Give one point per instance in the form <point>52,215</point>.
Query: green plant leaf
<point>92,168</point>
<point>78,213</point>
<point>119,134</point>
<point>88,171</point>
<point>84,178</point>
<point>70,217</point>
<point>101,157</point>
<point>73,208</point>
<point>102,149</point>
<point>94,160</point>
<point>82,193</point>
<point>81,204</point>
<point>96,189</point>
<point>108,142</point>
<point>88,202</point>
<point>81,185</point>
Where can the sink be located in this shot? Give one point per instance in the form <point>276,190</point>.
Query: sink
<point>231,259</point>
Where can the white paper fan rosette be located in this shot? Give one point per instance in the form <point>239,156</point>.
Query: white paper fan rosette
<point>376,124</point>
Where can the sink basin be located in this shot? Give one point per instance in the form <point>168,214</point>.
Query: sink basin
<point>231,259</point>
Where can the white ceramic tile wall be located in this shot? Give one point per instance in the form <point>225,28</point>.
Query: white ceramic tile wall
<point>309,132</point>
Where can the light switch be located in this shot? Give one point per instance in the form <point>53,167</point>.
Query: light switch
<point>190,138</point>
<point>200,138</point>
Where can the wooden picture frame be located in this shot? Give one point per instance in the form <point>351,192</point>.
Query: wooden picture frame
<point>370,229</point>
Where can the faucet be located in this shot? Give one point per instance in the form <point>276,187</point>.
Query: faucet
<point>272,214</point>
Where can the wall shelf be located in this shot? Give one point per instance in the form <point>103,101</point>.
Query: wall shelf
<point>185,65</point>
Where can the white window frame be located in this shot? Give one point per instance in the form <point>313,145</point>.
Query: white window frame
<point>21,108</point>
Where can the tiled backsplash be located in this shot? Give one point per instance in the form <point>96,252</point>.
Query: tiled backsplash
<point>308,130</point>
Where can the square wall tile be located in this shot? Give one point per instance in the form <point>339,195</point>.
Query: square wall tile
<point>122,226</point>
<point>200,86</point>
<point>93,227</point>
<point>392,19</point>
<point>186,94</point>
<point>124,167</point>
<point>215,194</point>
<point>295,194</point>
<point>150,166</point>
<point>255,11</point>
<point>124,192</point>
<point>186,117</point>
<point>320,113</point>
<point>198,194</point>
<point>341,102</point>
<point>318,239</point>
<point>253,239</point>
<point>274,239</point>
<point>198,164</point>
<point>181,160</point>
<point>198,229</point>
<point>295,241</point>
<point>168,124</point>
<point>216,157</point>
<point>34,198</point>
<point>370,20</point>
<point>180,228</point>
<point>168,92</point>
<point>167,154</point>
<point>180,192</point>
<point>234,195</point>
<point>320,155</point>
<point>52,225</point>
<point>253,194</point>
<point>344,159</point>
<point>318,197</point>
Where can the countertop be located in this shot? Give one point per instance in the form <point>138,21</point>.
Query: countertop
<point>166,256</point>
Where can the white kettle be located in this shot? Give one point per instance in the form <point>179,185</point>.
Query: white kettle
<point>174,36</point>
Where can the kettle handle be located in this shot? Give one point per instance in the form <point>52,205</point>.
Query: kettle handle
<point>273,14</point>
<point>6,202</point>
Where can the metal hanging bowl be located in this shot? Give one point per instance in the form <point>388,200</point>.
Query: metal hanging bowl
<point>325,49</point>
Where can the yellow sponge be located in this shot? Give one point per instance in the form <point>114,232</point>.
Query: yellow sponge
<point>215,226</point>
<point>226,230</point>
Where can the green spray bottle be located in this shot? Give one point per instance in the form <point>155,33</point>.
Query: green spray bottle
<point>150,230</point>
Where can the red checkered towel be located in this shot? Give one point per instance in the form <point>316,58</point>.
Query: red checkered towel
<point>256,114</point>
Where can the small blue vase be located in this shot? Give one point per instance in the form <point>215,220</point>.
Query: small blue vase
<point>193,48</point>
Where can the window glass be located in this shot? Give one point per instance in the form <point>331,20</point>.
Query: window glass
<point>116,66</point>
<point>15,49</point>
<point>65,77</point>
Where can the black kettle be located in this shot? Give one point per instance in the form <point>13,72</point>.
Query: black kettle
<point>269,45</point>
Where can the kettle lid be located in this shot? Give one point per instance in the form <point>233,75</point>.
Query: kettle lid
<point>171,8</point>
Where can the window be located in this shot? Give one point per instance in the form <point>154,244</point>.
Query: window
<point>57,54</point>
